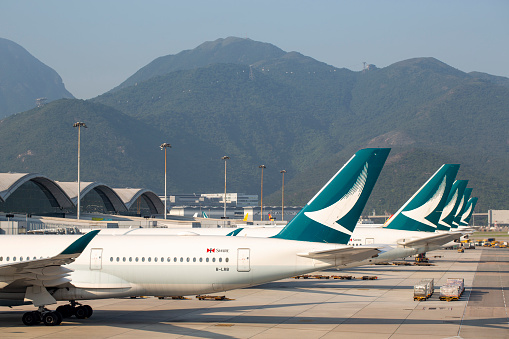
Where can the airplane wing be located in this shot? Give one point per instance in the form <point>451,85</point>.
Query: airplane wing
<point>434,239</point>
<point>343,255</point>
<point>45,272</point>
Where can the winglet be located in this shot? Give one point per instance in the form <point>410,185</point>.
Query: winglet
<point>79,245</point>
<point>234,233</point>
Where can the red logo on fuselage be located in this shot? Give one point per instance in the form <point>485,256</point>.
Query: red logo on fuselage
<point>211,250</point>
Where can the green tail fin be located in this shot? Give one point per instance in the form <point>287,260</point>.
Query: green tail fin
<point>423,210</point>
<point>331,215</point>
<point>467,213</point>
<point>234,233</point>
<point>461,208</point>
<point>453,201</point>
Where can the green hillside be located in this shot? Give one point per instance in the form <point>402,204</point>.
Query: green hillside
<point>283,110</point>
<point>497,80</point>
<point>115,149</point>
<point>308,117</point>
<point>230,50</point>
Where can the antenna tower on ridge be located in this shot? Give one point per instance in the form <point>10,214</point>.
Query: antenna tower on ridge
<point>40,102</point>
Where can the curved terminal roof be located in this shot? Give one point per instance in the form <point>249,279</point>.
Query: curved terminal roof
<point>71,188</point>
<point>10,182</point>
<point>130,195</point>
<point>66,193</point>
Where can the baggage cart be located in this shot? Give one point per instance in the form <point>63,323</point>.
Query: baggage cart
<point>450,292</point>
<point>457,281</point>
<point>421,292</point>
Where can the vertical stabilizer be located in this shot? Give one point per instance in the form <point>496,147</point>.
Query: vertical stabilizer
<point>461,208</point>
<point>467,213</point>
<point>423,210</point>
<point>453,201</point>
<point>331,215</point>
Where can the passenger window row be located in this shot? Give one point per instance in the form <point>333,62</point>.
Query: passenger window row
<point>136,259</point>
<point>168,259</point>
<point>14,258</point>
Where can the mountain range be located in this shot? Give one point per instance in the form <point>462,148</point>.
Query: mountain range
<point>24,79</point>
<point>261,105</point>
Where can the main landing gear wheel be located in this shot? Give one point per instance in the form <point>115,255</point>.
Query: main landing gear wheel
<point>78,310</point>
<point>90,310</point>
<point>83,312</point>
<point>66,311</point>
<point>49,318</point>
<point>31,318</point>
<point>52,318</point>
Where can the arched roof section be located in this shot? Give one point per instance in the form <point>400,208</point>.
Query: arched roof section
<point>71,188</point>
<point>10,182</point>
<point>130,195</point>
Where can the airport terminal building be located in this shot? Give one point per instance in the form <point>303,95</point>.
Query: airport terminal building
<point>32,202</point>
<point>29,193</point>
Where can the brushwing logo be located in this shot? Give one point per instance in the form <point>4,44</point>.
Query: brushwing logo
<point>458,211</point>
<point>329,216</point>
<point>448,209</point>
<point>466,214</point>
<point>420,213</point>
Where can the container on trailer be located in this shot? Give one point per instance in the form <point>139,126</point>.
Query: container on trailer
<point>431,283</point>
<point>457,281</point>
<point>450,292</point>
<point>421,291</point>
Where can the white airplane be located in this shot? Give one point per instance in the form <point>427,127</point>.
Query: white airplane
<point>411,230</point>
<point>32,269</point>
<point>408,232</point>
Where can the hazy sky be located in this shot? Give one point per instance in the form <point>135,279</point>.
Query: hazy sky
<point>96,44</point>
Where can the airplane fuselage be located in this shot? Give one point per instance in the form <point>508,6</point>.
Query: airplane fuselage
<point>393,241</point>
<point>119,266</point>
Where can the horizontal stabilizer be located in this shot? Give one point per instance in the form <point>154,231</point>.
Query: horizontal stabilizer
<point>343,255</point>
<point>435,239</point>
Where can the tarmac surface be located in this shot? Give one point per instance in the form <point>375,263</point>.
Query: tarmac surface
<point>312,308</point>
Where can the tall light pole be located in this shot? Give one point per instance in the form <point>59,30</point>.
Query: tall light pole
<point>164,147</point>
<point>283,196</point>
<point>261,201</point>
<point>79,125</point>
<point>225,158</point>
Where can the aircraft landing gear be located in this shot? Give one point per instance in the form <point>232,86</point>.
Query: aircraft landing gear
<point>53,318</point>
<point>31,318</point>
<point>49,318</point>
<point>80,311</point>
